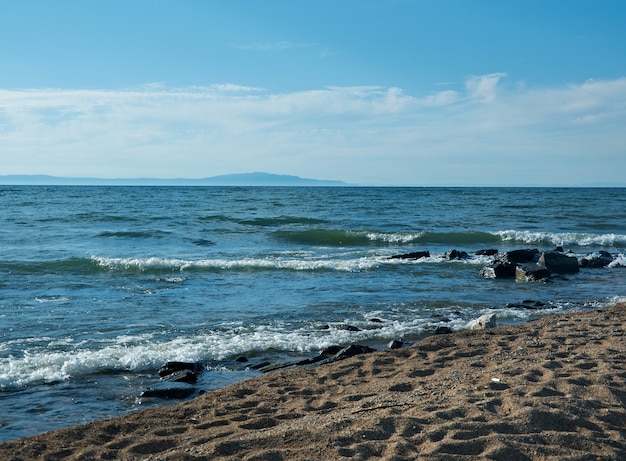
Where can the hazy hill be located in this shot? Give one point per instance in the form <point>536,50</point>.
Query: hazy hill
<point>245,179</point>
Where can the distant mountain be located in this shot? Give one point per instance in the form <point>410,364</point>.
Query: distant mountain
<point>245,179</point>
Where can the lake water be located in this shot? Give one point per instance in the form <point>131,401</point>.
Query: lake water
<point>100,286</point>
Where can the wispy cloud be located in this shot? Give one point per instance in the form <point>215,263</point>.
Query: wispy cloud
<point>486,133</point>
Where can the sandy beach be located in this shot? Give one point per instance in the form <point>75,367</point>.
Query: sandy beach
<point>552,389</point>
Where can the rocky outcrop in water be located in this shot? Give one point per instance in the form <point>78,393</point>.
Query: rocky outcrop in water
<point>531,273</point>
<point>558,263</point>
<point>599,259</point>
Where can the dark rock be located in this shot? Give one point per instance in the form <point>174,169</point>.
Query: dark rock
<point>346,327</point>
<point>375,320</point>
<point>488,252</point>
<point>531,273</point>
<point>455,254</point>
<point>559,249</point>
<point>330,354</point>
<point>182,376</point>
<point>169,391</point>
<point>330,351</point>
<point>559,263</point>
<point>443,330</point>
<point>352,350</point>
<point>498,269</point>
<point>520,256</point>
<point>259,366</point>
<point>171,367</point>
<point>326,354</point>
<point>504,264</point>
<point>414,255</point>
<point>528,304</point>
<point>395,344</point>
<point>241,359</point>
<point>597,260</point>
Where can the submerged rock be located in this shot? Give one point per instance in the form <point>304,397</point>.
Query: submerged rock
<point>487,252</point>
<point>529,304</point>
<point>182,376</point>
<point>414,255</point>
<point>169,390</point>
<point>172,367</point>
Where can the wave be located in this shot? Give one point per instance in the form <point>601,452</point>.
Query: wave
<point>249,264</point>
<point>262,222</point>
<point>61,362</point>
<point>563,238</point>
<point>54,360</point>
<point>324,237</point>
<point>469,238</point>
<point>133,234</point>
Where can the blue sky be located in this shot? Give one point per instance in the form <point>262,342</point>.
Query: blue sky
<point>389,92</point>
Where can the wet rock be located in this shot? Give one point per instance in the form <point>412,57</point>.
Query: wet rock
<point>346,327</point>
<point>327,353</point>
<point>241,359</point>
<point>520,256</point>
<point>559,263</point>
<point>531,273</point>
<point>487,252</point>
<point>395,344</point>
<point>528,304</point>
<point>169,390</point>
<point>352,350</point>
<point>172,367</point>
<point>597,260</point>
<point>498,269</point>
<point>330,354</point>
<point>260,365</point>
<point>414,255</point>
<point>505,264</point>
<point>182,376</point>
<point>483,322</point>
<point>455,255</point>
<point>443,330</point>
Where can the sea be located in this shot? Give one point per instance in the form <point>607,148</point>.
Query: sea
<point>102,285</point>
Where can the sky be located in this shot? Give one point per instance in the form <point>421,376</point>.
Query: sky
<point>370,92</point>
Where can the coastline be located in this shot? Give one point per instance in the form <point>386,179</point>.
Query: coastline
<point>550,389</point>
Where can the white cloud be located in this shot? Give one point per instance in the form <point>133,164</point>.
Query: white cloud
<point>483,87</point>
<point>366,134</point>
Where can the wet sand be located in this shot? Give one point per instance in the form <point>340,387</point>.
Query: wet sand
<point>552,389</point>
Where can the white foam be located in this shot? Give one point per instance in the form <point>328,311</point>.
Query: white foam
<point>145,264</point>
<point>397,237</point>
<point>142,352</point>
<point>619,261</point>
<point>562,238</point>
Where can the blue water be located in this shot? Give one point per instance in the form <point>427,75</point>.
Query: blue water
<point>99,286</point>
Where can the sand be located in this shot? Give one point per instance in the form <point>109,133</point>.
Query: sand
<point>552,389</point>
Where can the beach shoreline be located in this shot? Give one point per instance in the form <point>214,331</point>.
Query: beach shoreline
<point>553,388</point>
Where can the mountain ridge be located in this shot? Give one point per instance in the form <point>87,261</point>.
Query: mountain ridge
<point>237,179</point>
